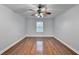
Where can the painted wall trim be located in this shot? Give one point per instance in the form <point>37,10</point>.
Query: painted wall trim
<point>22,39</point>
<point>39,35</point>
<point>66,44</point>
<point>11,45</point>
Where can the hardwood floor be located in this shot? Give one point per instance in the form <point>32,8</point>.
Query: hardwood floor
<point>39,46</point>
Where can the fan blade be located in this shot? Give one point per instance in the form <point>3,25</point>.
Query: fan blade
<point>32,14</point>
<point>48,13</point>
<point>31,10</point>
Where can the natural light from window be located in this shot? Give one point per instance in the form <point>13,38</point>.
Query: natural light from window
<point>39,26</point>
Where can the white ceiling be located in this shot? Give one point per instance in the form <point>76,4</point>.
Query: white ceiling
<point>22,9</point>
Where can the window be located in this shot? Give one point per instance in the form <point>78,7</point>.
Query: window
<point>39,26</point>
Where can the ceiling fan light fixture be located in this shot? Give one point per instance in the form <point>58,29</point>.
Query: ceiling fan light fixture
<point>39,15</point>
<point>41,12</point>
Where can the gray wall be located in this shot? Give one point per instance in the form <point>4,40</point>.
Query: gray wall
<point>66,27</point>
<point>31,26</point>
<point>12,27</point>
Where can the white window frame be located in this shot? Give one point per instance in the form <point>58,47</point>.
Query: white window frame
<point>39,26</point>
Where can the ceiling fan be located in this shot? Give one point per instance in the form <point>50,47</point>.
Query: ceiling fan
<point>41,11</point>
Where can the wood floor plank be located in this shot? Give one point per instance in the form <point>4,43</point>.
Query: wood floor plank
<point>28,46</point>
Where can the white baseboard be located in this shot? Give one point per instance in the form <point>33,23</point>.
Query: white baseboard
<point>22,39</point>
<point>66,44</point>
<point>11,45</point>
<point>39,35</point>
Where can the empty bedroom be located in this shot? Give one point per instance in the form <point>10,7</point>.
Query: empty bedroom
<point>39,29</point>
